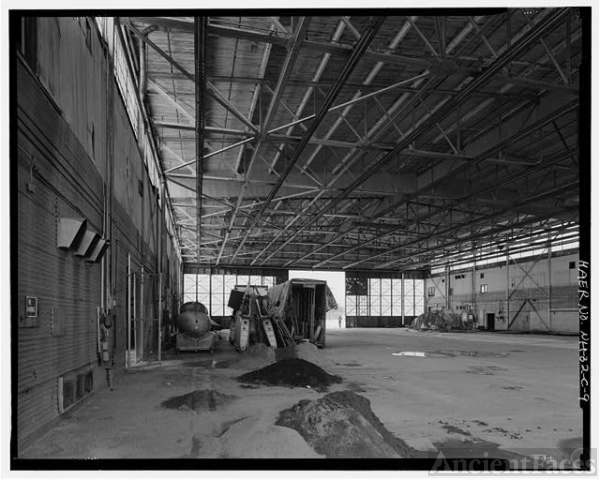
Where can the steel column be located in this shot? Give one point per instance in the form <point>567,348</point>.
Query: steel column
<point>200,84</point>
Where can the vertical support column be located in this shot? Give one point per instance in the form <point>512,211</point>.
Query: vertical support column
<point>200,27</point>
<point>127,350</point>
<point>507,287</point>
<point>160,267</point>
<point>135,314</point>
<point>141,325</point>
<point>474,286</point>
<point>111,260</point>
<point>447,282</point>
<point>402,297</point>
<point>549,281</point>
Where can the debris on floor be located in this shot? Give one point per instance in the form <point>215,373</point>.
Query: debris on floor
<point>443,320</point>
<point>199,400</point>
<point>306,351</point>
<point>292,372</point>
<point>256,356</point>
<point>342,425</point>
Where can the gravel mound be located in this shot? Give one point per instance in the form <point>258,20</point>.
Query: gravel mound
<point>292,372</point>
<point>199,400</point>
<point>342,425</point>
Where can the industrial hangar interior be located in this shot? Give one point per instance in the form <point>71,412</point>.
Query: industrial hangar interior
<point>183,184</point>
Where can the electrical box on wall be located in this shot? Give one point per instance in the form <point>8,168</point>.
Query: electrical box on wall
<point>30,317</point>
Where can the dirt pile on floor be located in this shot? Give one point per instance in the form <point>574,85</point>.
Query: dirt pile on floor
<point>199,400</point>
<point>292,372</point>
<point>306,351</point>
<point>255,356</point>
<point>342,425</point>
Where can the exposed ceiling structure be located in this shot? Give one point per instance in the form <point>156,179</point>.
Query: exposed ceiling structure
<point>362,142</point>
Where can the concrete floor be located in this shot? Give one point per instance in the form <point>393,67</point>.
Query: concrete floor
<point>518,392</point>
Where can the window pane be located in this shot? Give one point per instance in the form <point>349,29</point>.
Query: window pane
<point>256,280</point>
<point>419,297</point>
<point>409,291</point>
<point>375,297</point>
<point>216,295</point>
<point>351,305</point>
<point>363,305</point>
<point>229,284</point>
<point>386,297</point>
<point>204,290</point>
<point>396,297</point>
<point>189,288</point>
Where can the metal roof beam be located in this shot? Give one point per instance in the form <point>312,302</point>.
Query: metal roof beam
<point>517,48</point>
<point>369,34</point>
<point>163,93</point>
<point>210,88</point>
<point>286,71</point>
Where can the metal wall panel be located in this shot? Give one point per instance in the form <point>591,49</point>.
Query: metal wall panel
<point>55,177</point>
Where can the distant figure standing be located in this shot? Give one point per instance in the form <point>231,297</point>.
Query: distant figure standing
<point>340,321</point>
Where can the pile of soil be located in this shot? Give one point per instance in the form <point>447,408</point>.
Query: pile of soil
<point>255,356</point>
<point>342,425</point>
<point>198,400</point>
<point>306,351</point>
<point>292,372</point>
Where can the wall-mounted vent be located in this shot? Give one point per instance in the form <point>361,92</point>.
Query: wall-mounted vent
<point>70,232</point>
<point>88,243</point>
<point>99,250</point>
<point>74,387</point>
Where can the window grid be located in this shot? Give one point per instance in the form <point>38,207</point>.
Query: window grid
<point>396,297</point>
<point>385,298</point>
<point>213,290</point>
<point>374,299</point>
